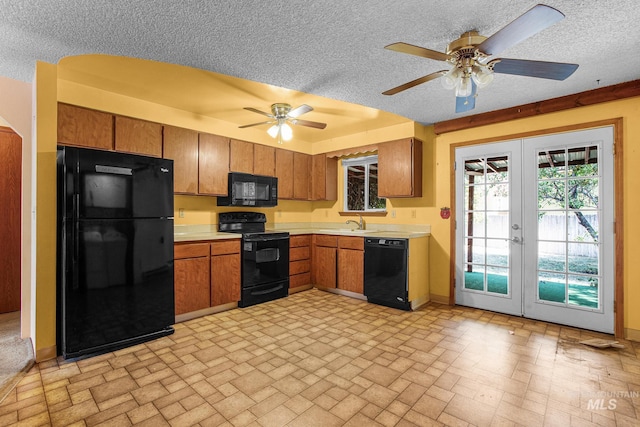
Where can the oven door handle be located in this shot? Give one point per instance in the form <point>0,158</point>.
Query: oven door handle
<point>264,239</point>
<point>267,291</point>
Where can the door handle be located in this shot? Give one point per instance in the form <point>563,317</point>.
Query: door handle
<point>516,239</point>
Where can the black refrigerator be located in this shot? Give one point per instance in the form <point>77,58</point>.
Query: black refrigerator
<point>115,250</point>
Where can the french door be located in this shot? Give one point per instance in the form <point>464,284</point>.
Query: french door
<point>534,228</point>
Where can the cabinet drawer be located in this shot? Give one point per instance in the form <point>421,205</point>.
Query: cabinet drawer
<point>299,280</point>
<point>296,254</point>
<point>297,241</point>
<point>345,242</point>
<point>191,250</point>
<point>297,267</point>
<point>225,247</point>
<point>326,240</point>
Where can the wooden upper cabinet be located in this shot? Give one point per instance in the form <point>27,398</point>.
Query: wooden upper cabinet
<point>400,168</point>
<point>213,165</point>
<point>301,169</point>
<point>241,156</point>
<point>284,173</point>
<point>138,136</point>
<point>264,160</point>
<point>181,145</point>
<point>324,178</point>
<point>83,127</point>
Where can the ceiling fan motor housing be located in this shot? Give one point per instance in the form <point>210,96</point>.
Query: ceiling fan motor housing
<point>280,110</point>
<point>464,50</point>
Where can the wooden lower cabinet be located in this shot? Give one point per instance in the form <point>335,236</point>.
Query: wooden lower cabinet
<point>191,277</point>
<point>324,266</point>
<point>206,274</point>
<point>324,260</point>
<point>225,272</point>
<point>338,262</point>
<point>351,264</point>
<point>299,261</point>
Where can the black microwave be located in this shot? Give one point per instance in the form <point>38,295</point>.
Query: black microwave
<point>250,190</point>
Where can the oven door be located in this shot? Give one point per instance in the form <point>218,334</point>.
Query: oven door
<point>265,259</point>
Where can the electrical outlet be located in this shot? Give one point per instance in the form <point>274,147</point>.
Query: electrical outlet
<point>413,213</point>
<point>393,213</point>
<point>181,212</point>
<point>279,214</point>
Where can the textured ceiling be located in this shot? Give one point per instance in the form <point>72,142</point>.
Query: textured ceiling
<point>329,48</point>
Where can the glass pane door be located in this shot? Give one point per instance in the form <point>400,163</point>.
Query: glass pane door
<point>488,210</point>
<point>569,276</point>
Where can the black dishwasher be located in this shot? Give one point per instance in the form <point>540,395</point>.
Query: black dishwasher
<point>385,272</point>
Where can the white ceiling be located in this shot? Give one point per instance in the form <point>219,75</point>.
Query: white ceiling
<point>329,48</point>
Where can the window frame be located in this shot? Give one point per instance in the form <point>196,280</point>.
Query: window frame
<point>365,161</point>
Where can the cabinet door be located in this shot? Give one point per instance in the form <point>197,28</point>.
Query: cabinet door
<point>284,172</point>
<point>324,179</point>
<point>213,161</point>
<point>301,168</point>
<point>225,279</point>
<point>83,127</point>
<point>264,160</point>
<point>181,145</point>
<point>138,136</point>
<point>241,158</point>
<point>400,168</point>
<point>351,270</point>
<point>192,288</point>
<point>324,266</point>
<point>10,205</point>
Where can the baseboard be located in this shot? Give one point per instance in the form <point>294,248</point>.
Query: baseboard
<point>632,334</point>
<point>205,312</point>
<point>300,289</point>
<point>342,292</point>
<point>46,353</point>
<point>419,302</point>
<point>440,299</point>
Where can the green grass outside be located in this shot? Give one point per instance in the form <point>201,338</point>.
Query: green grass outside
<point>585,296</point>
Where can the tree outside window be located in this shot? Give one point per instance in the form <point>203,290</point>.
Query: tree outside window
<point>361,185</point>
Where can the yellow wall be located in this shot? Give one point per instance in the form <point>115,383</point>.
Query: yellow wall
<point>46,137</point>
<point>628,110</point>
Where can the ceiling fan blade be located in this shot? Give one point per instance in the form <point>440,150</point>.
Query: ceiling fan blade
<point>540,69</point>
<point>467,103</point>
<point>257,124</point>
<point>298,111</point>
<point>308,123</point>
<point>526,25</point>
<point>415,82</point>
<point>259,112</point>
<point>418,51</point>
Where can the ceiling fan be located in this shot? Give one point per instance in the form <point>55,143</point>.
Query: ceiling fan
<point>472,54</point>
<point>281,115</point>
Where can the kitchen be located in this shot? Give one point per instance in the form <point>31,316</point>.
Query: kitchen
<point>203,210</point>
<point>235,172</point>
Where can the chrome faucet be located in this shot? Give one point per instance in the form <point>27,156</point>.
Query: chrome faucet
<point>359,224</point>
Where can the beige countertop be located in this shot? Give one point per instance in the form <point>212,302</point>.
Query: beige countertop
<point>207,232</point>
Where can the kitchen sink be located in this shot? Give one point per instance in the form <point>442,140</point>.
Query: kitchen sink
<point>345,230</point>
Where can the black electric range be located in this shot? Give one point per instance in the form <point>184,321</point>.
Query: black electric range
<point>265,257</point>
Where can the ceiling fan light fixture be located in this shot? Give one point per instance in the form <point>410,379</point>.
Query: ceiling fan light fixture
<point>286,132</point>
<point>482,76</point>
<point>273,131</point>
<point>450,79</point>
<point>463,87</point>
